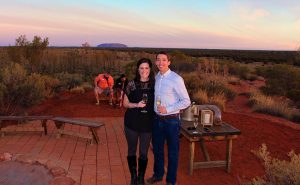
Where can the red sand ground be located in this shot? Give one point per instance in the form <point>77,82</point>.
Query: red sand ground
<point>281,136</point>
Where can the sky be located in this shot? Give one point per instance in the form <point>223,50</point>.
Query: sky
<point>203,24</point>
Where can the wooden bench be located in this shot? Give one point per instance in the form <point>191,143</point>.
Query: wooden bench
<point>6,121</point>
<point>92,125</point>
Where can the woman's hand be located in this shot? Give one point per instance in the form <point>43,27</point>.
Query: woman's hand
<point>141,104</point>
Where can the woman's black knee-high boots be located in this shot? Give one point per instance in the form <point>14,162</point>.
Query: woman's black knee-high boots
<point>132,168</point>
<point>142,170</point>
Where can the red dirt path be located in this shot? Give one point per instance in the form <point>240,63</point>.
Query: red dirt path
<point>281,136</point>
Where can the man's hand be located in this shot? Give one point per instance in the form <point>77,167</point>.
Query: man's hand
<point>161,109</point>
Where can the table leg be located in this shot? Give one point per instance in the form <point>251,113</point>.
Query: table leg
<point>95,136</point>
<point>204,150</point>
<point>192,153</point>
<point>45,126</point>
<point>59,125</point>
<point>2,133</point>
<point>228,154</point>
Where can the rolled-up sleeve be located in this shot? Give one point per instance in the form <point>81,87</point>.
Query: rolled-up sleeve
<point>182,95</point>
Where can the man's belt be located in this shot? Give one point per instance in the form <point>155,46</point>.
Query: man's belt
<point>170,116</point>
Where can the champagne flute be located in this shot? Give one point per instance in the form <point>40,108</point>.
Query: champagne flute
<point>158,101</point>
<point>145,100</point>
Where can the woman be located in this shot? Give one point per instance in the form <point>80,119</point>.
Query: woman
<point>139,101</point>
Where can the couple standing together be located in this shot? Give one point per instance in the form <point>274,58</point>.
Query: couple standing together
<point>145,120</point>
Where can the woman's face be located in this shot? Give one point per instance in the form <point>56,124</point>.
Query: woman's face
<point>144,70</point>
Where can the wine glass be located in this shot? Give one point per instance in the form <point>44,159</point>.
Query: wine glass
<point>195,118</point>
<point>145,100</point>
<point>196,122</point>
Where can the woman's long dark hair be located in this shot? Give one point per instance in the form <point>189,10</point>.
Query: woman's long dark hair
<point>137,77</point>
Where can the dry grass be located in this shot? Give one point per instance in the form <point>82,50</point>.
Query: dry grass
<point>267,104</point>
<point>233,80</point>
<point>278,172</point>
<point>77,90</point>
<point>218,99</point>
<point>201,97</point>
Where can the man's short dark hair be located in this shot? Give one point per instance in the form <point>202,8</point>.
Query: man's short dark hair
<point>163,53</point>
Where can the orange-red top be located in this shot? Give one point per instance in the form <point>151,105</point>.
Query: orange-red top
<point>101,82</point>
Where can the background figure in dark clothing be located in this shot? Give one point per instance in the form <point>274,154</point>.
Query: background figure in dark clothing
<point>120,85</point>
<point>139,101</point>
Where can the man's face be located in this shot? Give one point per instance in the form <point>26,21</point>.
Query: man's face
<point>123,79</point>
<point>162,62</point>
<point>106,74</point>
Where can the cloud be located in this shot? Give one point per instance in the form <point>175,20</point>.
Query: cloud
<point>254,14</point>
<point>298,24</point>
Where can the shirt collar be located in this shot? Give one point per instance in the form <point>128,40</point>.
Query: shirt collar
<point>165,74</point>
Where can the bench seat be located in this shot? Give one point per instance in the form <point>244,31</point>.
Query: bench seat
<point>6,121</point>
<point>92,125</point>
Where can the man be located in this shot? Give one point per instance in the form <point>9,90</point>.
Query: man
<point>104,84</point>
<point>170,96</point>
<point>121,83</point>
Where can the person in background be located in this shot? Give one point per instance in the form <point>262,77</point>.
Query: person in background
<point>104,84</point>
<point>171,96</point>
<point>120,84</point>
<point>138,120</point>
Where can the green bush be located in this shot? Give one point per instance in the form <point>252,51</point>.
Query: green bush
<point>281,80</point>
<point>296,117</point>
<point>294,94</point>
<point>18,89</point>
<point>239,70</point>
<point>69,81</point>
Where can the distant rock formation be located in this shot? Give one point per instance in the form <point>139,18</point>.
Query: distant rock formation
<point>112,45</point>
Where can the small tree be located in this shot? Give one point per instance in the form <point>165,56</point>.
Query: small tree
<point>86,45</point>
<point>35,51</point>
<point>32,51</point>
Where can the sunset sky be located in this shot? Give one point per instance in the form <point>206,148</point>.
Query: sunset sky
<point>223,24</point>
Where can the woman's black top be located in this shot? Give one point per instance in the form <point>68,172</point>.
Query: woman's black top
<point>135,118</point>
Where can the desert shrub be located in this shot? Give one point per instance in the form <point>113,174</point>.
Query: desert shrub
<point>33,89</point>
<point>233,80</point>
<point>192,82</point>
<point>216,84</point>
<point>296,116</point>
<point>19,89</point>
<point>294,94</point>
<point>87,86</point>
<point>200,97</point>
<point>69,81</point>
<point>281,80</point>
<point>218,99</point>
<point>207,85</point>
<point>181,62</point>
<point>51,85</point>
<point>239,70</point>
<point>277,172</point>
<point>77,90</point>
<point>266,104</point>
